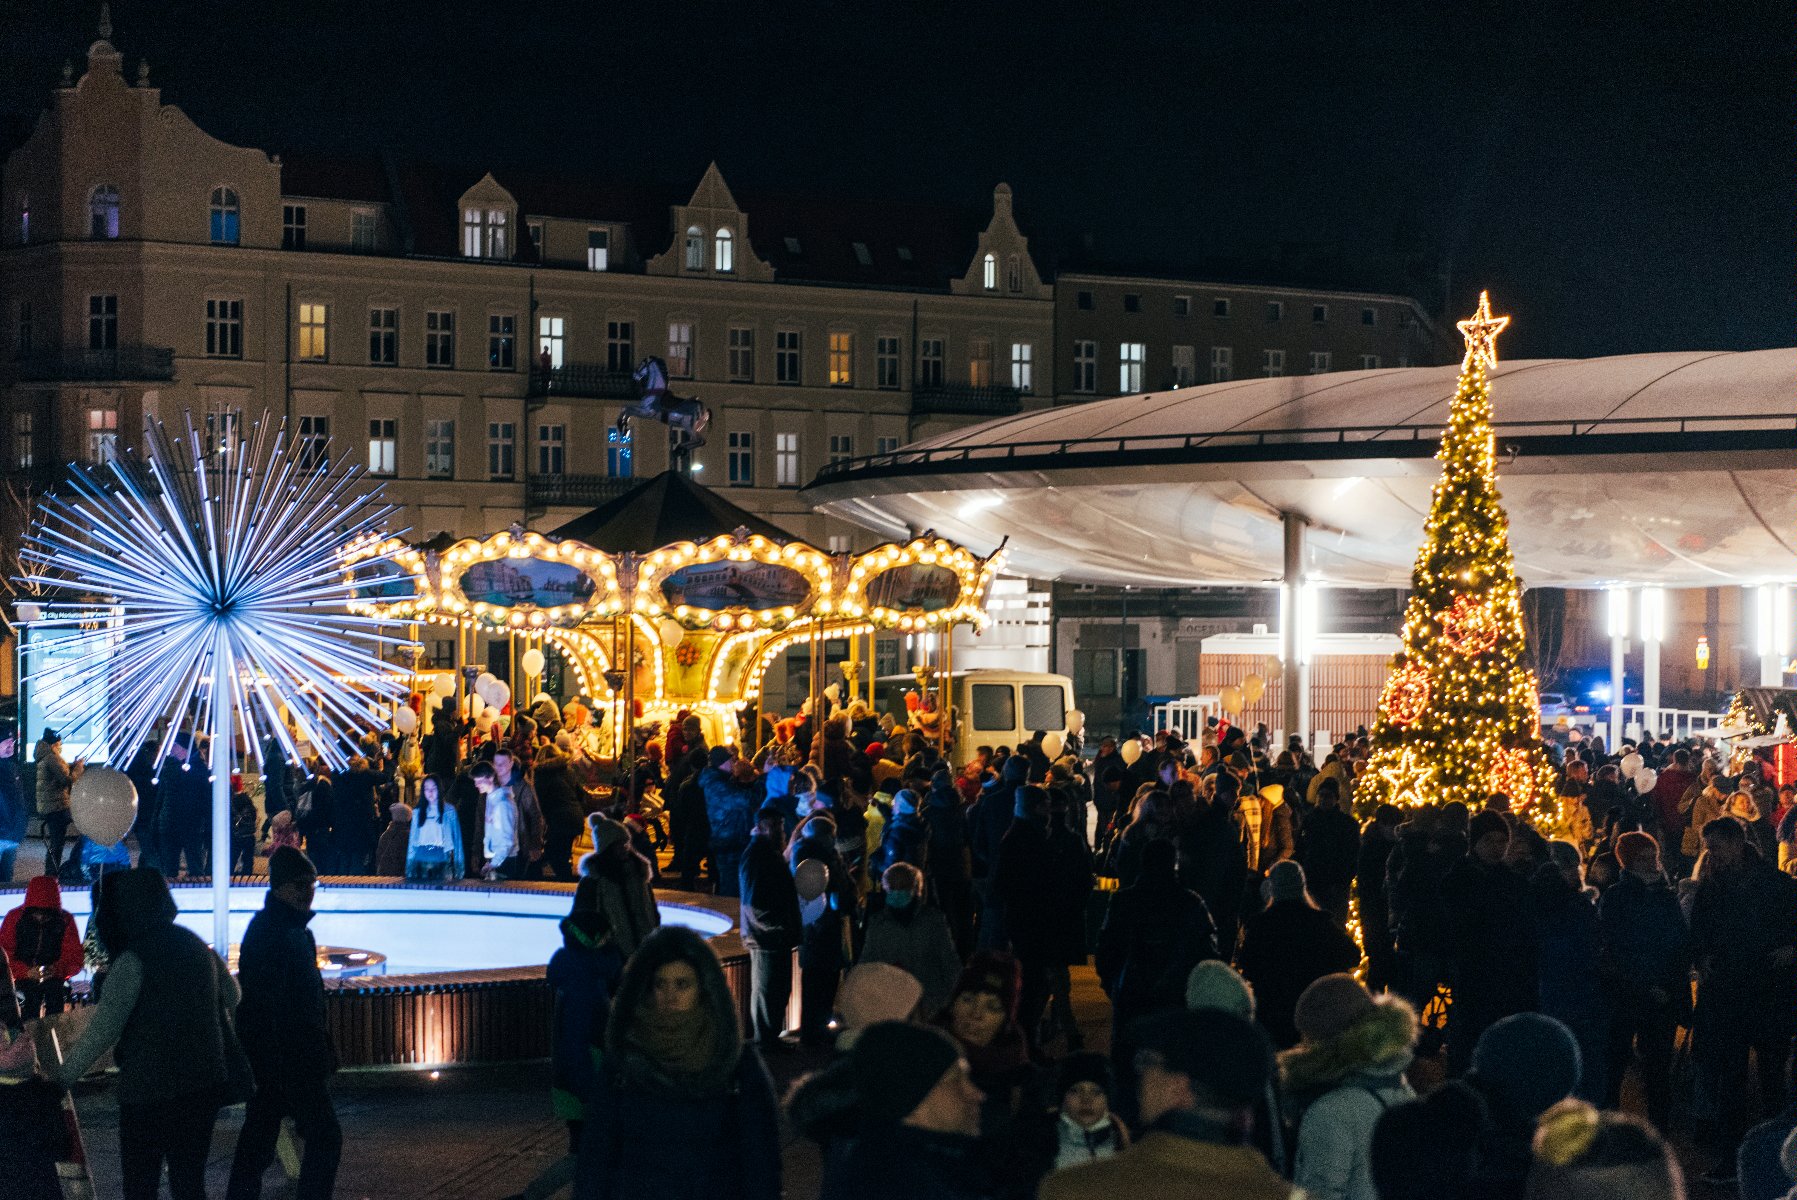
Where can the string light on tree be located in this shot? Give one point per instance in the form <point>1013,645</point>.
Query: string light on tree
<point>1463,630</point>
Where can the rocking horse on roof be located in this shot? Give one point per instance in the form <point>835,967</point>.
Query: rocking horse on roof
<point>657,403</point>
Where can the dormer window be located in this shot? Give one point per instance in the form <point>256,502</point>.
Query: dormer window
<point>484,233</point>
<point>862,256</point>
<point>724,251</point>
<point>224,224</point>
<point>695,248</point>
<point>103,212</point>
<point>904,254</point>
<point>792,246</point>
<point>989,273</point>
<point>1013,274</point>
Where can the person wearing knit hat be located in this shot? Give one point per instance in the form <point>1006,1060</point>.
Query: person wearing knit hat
<point>1085,1130</point>
<point>1215,984</point>
<point>1495,949</point>
<point>1582,1154</point>
<point>873,992</point>
<point>1428,1149</point>
<point>982,1016</point>
<point>390,851</point>
<point>1523,1066</point>
<point>1286,946</point>
<point>1348,1070</point>
<point>624,882</point>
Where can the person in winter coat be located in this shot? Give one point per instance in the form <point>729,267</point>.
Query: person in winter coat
<point>1580,1152</point>
<point>833,753</point>
<point>949,868</point>
<point>1278,827</point>
<point>625,891</point>
<point>282,1023</point>
<point>499,839</point>
<point>826,920</point>
<point>674,1061</point>
<point>1430,844</point>
<point>1494,938</point>
<point>1150,820</point>
<point>686,815</point>
<point>732,800</point>
<point>15,810</point>
<point>55,776</point>
<point>354,823</point>
<point>184,807</point>
<point>390,851</point>
<point>442,746</point>
<point>913,936</point>
<point>1646,965</point>
<point>1570,978</point>
<point>1286,947</point>
<point>1376,844</point>
<point>907,836</point>
<point>583,976</point>
<point>981,1015</point>
<point>1348,1069</point>
<point>43,947</point>
<point>1153,935</point>
<point>1043,876</point>
<point>1522,1066</point>
<point>1211,864</point>
<point>166,1007</point>
<point>1331,851</point>
<point>532,831</point>
<point>771,926</point>
<point>434,838</point>
<point>564,811</point>
<point>988,821</point>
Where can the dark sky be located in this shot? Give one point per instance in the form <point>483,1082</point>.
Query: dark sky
<point>1618,174</point>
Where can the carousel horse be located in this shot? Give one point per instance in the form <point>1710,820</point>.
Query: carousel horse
<point>657,403</point>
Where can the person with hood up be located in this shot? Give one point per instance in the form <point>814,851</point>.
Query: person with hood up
<point>732,799</point>
<point>1278,827</point>
<point>1286,947</point>
<point>907,836</point>
<point>166,1007</point>
<point>988,821</point>
<point>674,1062</point>
<point>981,1015</point>
<point>583,975</point>
<point>1154,934</point>
<point>623,883</point>
<point>43,946</point>
<point>390,851</point>
<point>1043,875</point>
<point>949,867</point>
<point>771,927</point>
<point>1348,1069</point>
<point>913,935</point>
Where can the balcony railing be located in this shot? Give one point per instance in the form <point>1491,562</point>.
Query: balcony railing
<point>965,399</point>
<point>548,490</point>
<point>582,379</point>
<point>126,362</point>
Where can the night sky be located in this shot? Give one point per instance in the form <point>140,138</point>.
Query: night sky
<point>1618,174</point>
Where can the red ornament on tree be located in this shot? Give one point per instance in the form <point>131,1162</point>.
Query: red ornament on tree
<point>1406,695</point>
<point>1513,773</point>
<point>1469,627</point>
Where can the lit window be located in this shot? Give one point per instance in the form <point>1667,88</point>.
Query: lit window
<point>383,446</point>
<point>1319,362</point>
<point>842,360</point>
<point>501,449</point>
<point>225,227</point>
<point>383,336</point>
<point>293,227</point>
<point>618,463</point>
<point>24,442</point>
<point>886,362</point>
<point>598,249</point>
<point>1369,316</point>
<point>552,449</point>
<point>695,248</point>
<point>364,230</point>
<point>786,459</point>
<point>314,443</point>
<point>551,337</point>
<point>103,212</point>
<point>439,449</point>
<point>1319,314</point>
<point>499,242</point>
<point>1129,357</point>
<point>979,362</point>
<point>724,251</point>
<point>1182,306</point>
<point>862,256</point>
<point>1085,366</point>
<point>102,434</point>
<point>989,273</point>
<point>502,342</point>
<point>1275,311</point>
<point>932,366</point>
<point>1022,366</point>
<point>1185,366</point>
<point>313,320</point>
<point>1272,363</point>
<point>1013,273</point>
<point>787,356</point>
<point>439,339</point>
<point>1222,363</point>
<point>103,322</point>
<point>742,355</point>
<point>471,233</point>
<point>1369,362</point>
<point>680,349</point>
<point>224,329</point>
<point>842,447</point>
<point>620,346</point>
<point>742,460</point>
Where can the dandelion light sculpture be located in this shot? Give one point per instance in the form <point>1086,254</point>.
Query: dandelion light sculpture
<point>204,582</point>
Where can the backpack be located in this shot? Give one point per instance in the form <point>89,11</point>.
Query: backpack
<point>39,936</point>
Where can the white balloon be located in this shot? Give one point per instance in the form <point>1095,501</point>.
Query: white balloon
<point>1076,722</point>
<point>443,686</point>
<point>472,705</point>
<point>405,720</point>
<point>501,694</point>
<point>484,719</point>
<point>103,805</point>
<point>671,631</point>
<point>1053,742</point>
<point>485,691</point>
<point>1630,764</point>
<point>29,612</point>
<point>485,680</point>
<point>1645,779</point>
<point>532,661</point>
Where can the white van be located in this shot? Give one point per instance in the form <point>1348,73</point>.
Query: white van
<point>992,707</point>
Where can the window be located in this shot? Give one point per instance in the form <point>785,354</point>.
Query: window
<point>989,273</point>
<point>742,354</point>
<point>617,453</point>
<point>552,443</point>
<point>842,360</point>
<point>723,251</point>
<point>932,366</point>
<point>484,233</point>
<point>886,445</point>
<point>994,706</point>
<point>1023,366</point>
<point>1185,366</point>
<point>1369,362</point>
<point>314,443</point>
<point>364,229</point>
<point>620,346</point>
<point>502,444</point>
<point>439,338</point>
<point>313,321</point>
<point>502,342</point>
<point>103,212</point>
<point>551,337</point>
<point>1369,316</point>
<point>383,446</point>
<point>1275,311</point>
<point>1132,302</point>
<point>224,329</point>
<point>23,443</point>
<point>842,447</point>
<point>598,249</point>
<point>471,233</point>
<point>1272,363</point>
<point>680,349</point>
<point>222,431</point>
<point>383,336</point>
<point>499,242</point>
<point>225,227</point>
<point>21,339</point>
<point>695,248</point>
<point>1182,306</point>
<point>1044,706</point>
<point>534,230</point>
<point>1085,302</point>
<point>979,362</point>
<point>742,460</point>
<point>102,434</point>
<point>839,543</point>
<point>1319,314</point>
<point>1222,363</point>
<point>1095,672</point>
<point>1219,308</point>
<point>1319,362</point>
<point>787,355</point>
<point>786,459</point>
<point>886,362</point>
<point>293,227</point>
<point>1085,366</point>
<point>439,449</point>
<point>1013,274</point>
<point>103,323</point>
<point>792,246</point>
<point>904,254</point>
<point>1129,374</point>
<point>861,254</point>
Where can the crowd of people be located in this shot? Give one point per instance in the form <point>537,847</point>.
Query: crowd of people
<point>1277,967</point>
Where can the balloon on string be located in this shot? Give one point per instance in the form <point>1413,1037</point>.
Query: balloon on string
<point>1230,699</point>
<point>1076,722</point>
<point>1053,742</point>
<point>483,720</point>
<point>443,686</point>
<point>532,661</point>
<point>1645,779</point>
<point>500,694</point>
<point>103,805</point>
<point>1631,763</point>
<point>472,705</point>
<point>405,720</point>
<point>671,631</point>
<point>1131,750</point>
<point>483,681</point>
<point>1253,688</point>
<point>811,878</point>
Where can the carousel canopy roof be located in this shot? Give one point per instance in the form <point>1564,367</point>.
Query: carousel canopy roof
<point>661,511</point>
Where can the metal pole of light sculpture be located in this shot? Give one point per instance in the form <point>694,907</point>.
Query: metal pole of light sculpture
<point>207,582</point>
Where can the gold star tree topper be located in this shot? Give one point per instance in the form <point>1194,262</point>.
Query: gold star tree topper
<point>1481,331</point>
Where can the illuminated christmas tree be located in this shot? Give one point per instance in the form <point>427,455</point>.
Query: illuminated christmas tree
<point>1459,717</point>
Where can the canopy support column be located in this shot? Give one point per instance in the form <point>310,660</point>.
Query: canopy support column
<point>1653,632</point>
<point>1294,654</point>
<point>1619,648</point>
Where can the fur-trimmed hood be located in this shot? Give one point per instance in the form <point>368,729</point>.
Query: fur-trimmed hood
<point>669,944</point>
<point>1380,1044</point>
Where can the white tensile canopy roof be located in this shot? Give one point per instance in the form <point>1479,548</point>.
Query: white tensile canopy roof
<point>1674,468</point>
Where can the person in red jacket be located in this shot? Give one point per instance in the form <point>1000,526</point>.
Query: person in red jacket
<point>44,948</point>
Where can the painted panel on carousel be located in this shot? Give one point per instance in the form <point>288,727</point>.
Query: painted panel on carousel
<point>918,587</point>
<point>387,578</point>
<point>528,580</point>
<point>513,582</point>
<point>728,584</point>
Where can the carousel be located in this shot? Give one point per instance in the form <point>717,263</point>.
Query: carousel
<point>671,599</point>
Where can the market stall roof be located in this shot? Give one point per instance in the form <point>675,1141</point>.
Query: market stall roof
<point>1672,468</point>
<point>661,511</point>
